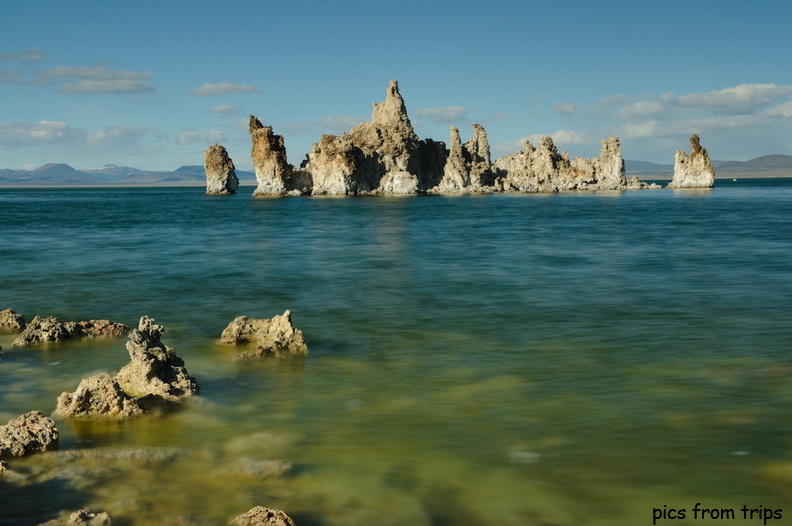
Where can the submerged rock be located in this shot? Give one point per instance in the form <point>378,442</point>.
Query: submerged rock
<point>98,395</point>
<point>276,336</point>
<point>221,175</point>
<point>694,170</point>
<point>261,516</point>
<point>50,329</point>
<point>155,369</point>
<point>82,518</point>
<point>30,433</point>
<point>10,321</point>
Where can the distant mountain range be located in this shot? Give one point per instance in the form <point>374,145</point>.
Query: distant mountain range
<point>110,174</point>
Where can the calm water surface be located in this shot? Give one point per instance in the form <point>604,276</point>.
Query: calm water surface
<point>570,359</point>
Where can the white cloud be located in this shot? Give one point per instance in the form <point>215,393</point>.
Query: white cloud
<point>222,88</point>
<point>95,79</point>
<point>26,55</point>
<point>226,109</point>
<point>745,98</point>
<point>42,132</point>
<point>118,134</point>
<point>106,86</point>
<point>564,108</point>
<point>641,109</point>
<point>334,124</point>
<point>442,115</point>
<point>13,76</point>
<point>190,136</point>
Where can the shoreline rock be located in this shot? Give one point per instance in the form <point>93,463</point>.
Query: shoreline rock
<point>30,433</point>
<point>51,329</point>
<point>261,516</point>
<point>276,336</point>
<point>154,369</point>
<point>96,395</point>
<point>11,321</point>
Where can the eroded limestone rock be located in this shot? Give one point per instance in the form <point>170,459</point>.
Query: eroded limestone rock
<point>221,175</point>
<point>269,160</point>
<point>30,433</point>
<point>693,170</point>
<point>50,329</point>
<point>261,516</point>
<point>276,336</point>
<point>98,395</point>
<point>155,369</point>
<point>11,321</point>
<point>543,169</point>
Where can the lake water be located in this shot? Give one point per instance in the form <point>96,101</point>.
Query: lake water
<point>567,359</point>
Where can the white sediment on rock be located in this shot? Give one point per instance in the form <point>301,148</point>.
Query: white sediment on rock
<point>221,175</point>
<point>693,170</point>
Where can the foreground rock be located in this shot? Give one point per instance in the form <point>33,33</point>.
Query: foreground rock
<point>155,369</point>
<point>30,433</point>
<point>50,329</point>
<point>98,395</point>
<point>10,321</point>
<point>261,516</point>
<point>276,336</point>
<point>82,518</point>
<point>694,170</point>
<point>221,175</point>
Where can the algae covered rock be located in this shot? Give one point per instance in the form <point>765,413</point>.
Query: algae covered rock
<point>154,369</point>
<point>276,336</point>
<point>30,433</point>
<point>98,395</point>
<point>261,516</point>
<point>51,329</point>
<point>11,321</point>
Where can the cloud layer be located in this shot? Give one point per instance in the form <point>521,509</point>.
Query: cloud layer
<point>221,89</point>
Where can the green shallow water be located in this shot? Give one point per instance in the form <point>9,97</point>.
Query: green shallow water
<point>575,359</point>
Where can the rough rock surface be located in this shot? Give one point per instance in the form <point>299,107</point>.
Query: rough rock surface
<point>468,168</point>
<point>383,156</point>
<point>30,433</point>
<point>98,395</point>
<point>10,321</point>
<point>693,170</point>
<point>543,169</point>
<point>261,516</point>
<point>155,369</point>
<point>221,175</point>
<point>50,329</point>
<point>273,172</point>
<point>82,518</point>
<point>276,336</point>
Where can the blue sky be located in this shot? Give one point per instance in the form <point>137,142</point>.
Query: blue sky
<point>153,84</point>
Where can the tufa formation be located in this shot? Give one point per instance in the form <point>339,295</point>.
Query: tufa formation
<point>694,170</point>
<point>221,176</point>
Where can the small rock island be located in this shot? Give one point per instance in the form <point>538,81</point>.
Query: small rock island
<point>385,157</point>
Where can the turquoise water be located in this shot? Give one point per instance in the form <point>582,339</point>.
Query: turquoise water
<point>566,359</point>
